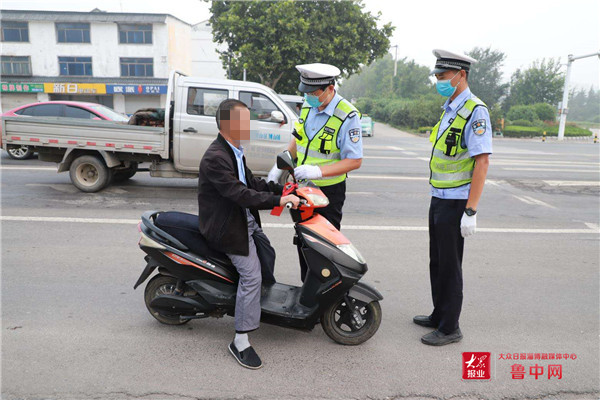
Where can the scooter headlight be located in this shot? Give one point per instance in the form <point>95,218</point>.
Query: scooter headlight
<point>317,199</point>
<point>352,251</point>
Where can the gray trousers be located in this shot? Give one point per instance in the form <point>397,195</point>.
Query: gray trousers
<point>247,302</point>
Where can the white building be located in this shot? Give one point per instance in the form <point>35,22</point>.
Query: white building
<point>121,60</point>
<point>205,59</point>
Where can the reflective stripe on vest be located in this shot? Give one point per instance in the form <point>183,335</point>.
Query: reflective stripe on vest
<point>450,164</point>
<point>322,149</point>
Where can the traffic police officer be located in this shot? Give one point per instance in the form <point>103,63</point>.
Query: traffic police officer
<point>328,139</point>
<point>462,143</point>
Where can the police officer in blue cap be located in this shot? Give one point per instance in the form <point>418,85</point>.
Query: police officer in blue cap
<point>462,143</point>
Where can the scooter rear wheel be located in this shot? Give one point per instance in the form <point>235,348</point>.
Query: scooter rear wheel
<point>159,285</point>
<point>339,323</point>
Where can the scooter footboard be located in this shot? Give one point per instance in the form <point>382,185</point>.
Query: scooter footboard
<point>365,293</point>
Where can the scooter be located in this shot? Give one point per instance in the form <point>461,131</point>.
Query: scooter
<point>195,281</point>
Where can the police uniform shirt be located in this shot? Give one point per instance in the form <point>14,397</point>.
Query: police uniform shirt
<point>349,139</point>
<point>477,137</point>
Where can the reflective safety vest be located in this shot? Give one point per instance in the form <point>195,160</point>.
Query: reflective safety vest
<point>322,149</point>
<point>450,164</point>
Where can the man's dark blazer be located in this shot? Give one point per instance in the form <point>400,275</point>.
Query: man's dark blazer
<point>223,198</point>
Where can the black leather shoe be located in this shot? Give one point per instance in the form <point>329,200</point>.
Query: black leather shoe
<point>424,320</point>
<point>247,357</point>
<point>437,338</point>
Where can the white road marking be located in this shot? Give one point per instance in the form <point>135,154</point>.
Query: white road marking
<point>11,167</point>
<point>532,201</point>
<point>423,159</point>
<point>572,183</point>
<point>541,162</point>
<point>592,226</point>
<point>361,193</point>
<point>388,158</point>
<point>278,226</point>
<point>410,153</point>
<point>551,170</point>
<point>391,177</point>
<point>395,148</point>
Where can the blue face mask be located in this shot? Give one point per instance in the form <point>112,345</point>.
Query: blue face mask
<point>445,88</point>
<point>312,100</point>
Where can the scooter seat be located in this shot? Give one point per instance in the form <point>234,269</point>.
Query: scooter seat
<point>184,227</point>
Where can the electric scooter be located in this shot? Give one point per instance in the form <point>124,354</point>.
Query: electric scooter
<point>195,281</point>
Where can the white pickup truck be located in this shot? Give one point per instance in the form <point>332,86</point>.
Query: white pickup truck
<point>97,153</point>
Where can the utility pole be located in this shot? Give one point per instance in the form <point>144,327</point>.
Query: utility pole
<point>564,109</point>
<point>396,61</point>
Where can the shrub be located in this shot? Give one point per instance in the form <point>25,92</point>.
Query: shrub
<point>522,112</point>
<point>545,111</point>
<point>532,131</point>
<point>522,122</point>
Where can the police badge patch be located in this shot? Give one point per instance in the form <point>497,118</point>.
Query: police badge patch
<point>354,135</point>
<point>479,127</point>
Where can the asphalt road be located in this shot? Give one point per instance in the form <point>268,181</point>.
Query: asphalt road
<point>73,327</point>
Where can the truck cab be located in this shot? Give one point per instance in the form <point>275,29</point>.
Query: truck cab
<point>194,126</point>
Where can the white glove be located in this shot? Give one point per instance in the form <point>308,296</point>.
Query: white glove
<point>308,172</point>
<point>274,174</point>
<point>468,225</point>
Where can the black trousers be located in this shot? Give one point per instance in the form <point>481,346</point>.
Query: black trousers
<point>333,213</point>
<point>445,261</point>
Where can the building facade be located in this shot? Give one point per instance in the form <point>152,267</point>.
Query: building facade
<point>121,60</point>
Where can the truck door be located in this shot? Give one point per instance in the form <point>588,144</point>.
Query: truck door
<point>195,127</point>
<point>268,137</point>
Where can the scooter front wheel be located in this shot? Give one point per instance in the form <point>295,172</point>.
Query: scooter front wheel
<point>351,324</point>
<point>160,285</point>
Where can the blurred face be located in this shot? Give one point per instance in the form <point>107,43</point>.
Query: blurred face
<point>322,94</point>
<point>237,127</point>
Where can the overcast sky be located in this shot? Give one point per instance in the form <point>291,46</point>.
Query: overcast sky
<point>525,30</point>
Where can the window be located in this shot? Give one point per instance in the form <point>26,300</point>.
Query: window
<point>137,67</point>
<point>75,66</point>
<point>260,105</point>
<point>135,34</point>
<point>12,65</point>
<point>44,110</point>
<point>13,31</point>
<point>73,33</point>
<point>76,112</point>
<point>205,101</point>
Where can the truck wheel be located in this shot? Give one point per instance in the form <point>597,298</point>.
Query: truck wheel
<point>20,152</point>
<point>90,174</point>
<point>122,175</point>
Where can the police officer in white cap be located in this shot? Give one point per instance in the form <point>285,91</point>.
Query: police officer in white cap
<point>462,143</point>
<point>328,139</point>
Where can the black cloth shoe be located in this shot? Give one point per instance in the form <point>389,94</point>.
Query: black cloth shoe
<point>424,320</point>
<point>247,358</point>
<point>437,338</point>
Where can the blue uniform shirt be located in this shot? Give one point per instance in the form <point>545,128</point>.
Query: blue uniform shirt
<point>316,119</point>
<point>476,144</point>
<point>239,154</point>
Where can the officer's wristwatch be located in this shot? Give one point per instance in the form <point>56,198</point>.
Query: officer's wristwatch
<point>470,212</point>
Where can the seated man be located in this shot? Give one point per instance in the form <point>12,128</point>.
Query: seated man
<point>229,198</point>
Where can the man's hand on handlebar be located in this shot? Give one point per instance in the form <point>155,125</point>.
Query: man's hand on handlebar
<point>290,198</point>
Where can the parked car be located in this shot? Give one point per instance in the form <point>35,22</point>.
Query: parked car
<point>367,125</point>
<point>69,109</point>
<point>294,102</point>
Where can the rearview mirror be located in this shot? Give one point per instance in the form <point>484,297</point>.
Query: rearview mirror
<point>285,161</point>
<point>277,116</point>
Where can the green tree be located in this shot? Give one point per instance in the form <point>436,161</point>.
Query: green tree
<point>377,80</point>
<point>542,82</point>
<point>485,75</point>
<point>268,38</point>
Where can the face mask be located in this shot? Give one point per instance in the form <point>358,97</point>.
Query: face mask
<point>445,88</point>
<point>313,100</point>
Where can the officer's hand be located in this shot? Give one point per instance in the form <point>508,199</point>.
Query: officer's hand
<point>468,225</point>
<point>274,174</point>
<point>308,172</point>
<point>290,198</point>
